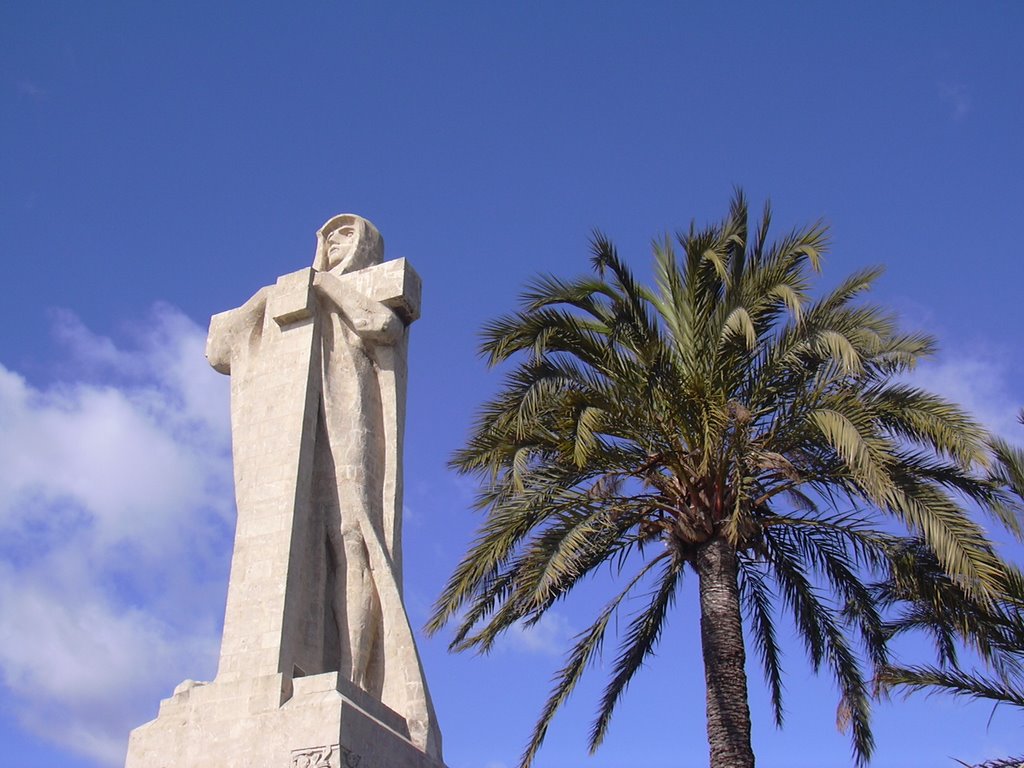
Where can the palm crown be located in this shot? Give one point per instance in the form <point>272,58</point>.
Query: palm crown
<point>723,421</point>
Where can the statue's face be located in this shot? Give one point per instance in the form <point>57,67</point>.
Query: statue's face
<point>341,246</point>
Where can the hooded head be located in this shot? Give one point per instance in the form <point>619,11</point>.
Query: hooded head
<point>346,243</point>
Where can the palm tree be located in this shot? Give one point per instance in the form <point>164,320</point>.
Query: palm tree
<point>722,422</point>
<point>930,600</point>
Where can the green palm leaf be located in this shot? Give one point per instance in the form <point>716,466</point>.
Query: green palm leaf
<point>723,421</point>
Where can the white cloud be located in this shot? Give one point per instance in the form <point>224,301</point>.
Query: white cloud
<point>550,636</point>
<point>981,384</point>
<point>72,655</point>
<point>115,526</point>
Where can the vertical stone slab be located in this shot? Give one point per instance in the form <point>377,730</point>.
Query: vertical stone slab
<point>274,411</point>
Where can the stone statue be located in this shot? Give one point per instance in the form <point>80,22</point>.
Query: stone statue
<point>358,346</point>
<point>360,338</point>
<point>318,374</point>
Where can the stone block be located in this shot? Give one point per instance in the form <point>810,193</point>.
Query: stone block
<point>293,300</point>
<point>273,722</point>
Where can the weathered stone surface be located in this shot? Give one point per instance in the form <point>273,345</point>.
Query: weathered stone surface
<point>318,664</point>
<point>253,723</point>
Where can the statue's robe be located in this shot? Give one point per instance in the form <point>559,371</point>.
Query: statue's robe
<point>348,464</point>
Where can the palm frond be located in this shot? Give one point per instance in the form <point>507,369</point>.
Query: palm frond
<point>637,644</point>
<point>588,645</point>
<point>759,603</point>
<point>954,682</point>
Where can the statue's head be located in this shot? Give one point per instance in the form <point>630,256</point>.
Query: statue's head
<point>347,242</point>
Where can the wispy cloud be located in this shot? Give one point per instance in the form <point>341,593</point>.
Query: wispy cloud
<point>550,636</point>
<point>957,97</point>
<point>31,90</point>
<point>115,526</point>
<point>982,384</point>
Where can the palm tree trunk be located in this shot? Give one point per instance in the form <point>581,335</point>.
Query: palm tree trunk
<point>725,676</point>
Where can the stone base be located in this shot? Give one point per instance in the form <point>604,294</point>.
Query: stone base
<point>317,721</point>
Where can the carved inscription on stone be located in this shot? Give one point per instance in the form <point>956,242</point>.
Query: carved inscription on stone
<point>314,757</point>
<point>331,756</point>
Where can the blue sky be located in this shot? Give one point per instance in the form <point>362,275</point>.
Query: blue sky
<point>159,163</point>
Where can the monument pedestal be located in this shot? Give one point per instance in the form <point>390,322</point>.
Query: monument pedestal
<point>317,721</point>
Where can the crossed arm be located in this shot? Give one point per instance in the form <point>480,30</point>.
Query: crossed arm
<point>370,319</point>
